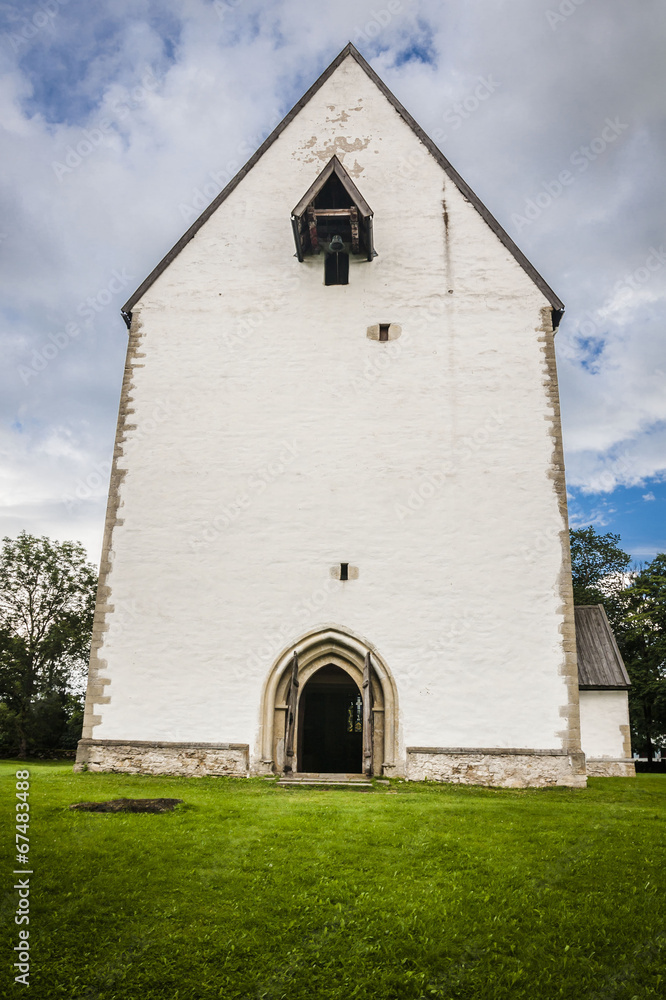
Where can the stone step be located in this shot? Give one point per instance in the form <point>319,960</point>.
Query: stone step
<point>353,786</point>
<point>304,779</point>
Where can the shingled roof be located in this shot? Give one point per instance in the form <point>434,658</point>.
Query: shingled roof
<point>350,50</point>
<point>600,664</point>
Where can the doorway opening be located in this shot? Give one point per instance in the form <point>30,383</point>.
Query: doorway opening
<point>330,724</point>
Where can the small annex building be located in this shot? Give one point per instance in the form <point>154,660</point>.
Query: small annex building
<point>603,685</point>
<point>337,535</point>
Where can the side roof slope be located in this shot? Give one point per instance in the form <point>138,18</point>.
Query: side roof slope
<point>463,187</point>
<point>600,663</point>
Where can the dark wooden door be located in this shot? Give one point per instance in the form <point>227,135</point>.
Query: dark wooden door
<point>332,729</point>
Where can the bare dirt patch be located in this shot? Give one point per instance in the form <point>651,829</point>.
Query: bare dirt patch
<point>129,806</point>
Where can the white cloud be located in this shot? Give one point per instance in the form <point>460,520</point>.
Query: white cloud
<point>189,87</point>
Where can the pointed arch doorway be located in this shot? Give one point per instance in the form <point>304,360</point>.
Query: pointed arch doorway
<point>306,706</point>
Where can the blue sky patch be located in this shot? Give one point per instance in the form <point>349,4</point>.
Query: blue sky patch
<point>419,48</point>
<point>415,53</point>
<point>70,63</point>
<point>636,513</point>
<point>591,349</point>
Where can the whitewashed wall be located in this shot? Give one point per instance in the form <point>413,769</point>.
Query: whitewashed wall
<point>287,442</point>
<point>604,721</point>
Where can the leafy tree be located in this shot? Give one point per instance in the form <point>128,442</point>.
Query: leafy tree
<point>643,643</point>
<point>599,571</point>
<point>47,597</point>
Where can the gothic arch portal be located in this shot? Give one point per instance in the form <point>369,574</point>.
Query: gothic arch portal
<point>322,648</point>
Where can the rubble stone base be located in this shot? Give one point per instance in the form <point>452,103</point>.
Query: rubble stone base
<point>604,767</point>
<point>499,768</point>
<point>140,757</point>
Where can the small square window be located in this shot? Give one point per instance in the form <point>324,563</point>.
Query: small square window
<point>384,332</point>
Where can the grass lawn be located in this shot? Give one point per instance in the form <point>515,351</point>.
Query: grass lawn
<point>411,891</point>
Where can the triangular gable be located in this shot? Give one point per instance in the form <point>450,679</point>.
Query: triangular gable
<point>333,166</point>
<point>463,187</point>
<point>362,218</point>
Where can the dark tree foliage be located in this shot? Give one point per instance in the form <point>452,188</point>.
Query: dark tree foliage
<point>643,643</point>
<point>599,571</point>
<point>47,597</point>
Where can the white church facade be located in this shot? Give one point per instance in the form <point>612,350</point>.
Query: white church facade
<point>343,545</point>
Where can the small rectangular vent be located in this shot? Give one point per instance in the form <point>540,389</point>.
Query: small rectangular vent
<point>383,332</point>
<point>344,571</point>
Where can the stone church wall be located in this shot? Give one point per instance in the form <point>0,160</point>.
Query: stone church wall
<point>189,760</point>
<point>295,442</point>
<point>498,768</point>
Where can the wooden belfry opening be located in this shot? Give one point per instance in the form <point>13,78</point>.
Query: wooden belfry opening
<point>333,213</point>
<point>329,724</point>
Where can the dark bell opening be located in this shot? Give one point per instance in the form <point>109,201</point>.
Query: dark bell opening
<point>336,269</point>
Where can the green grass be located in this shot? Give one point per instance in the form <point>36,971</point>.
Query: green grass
<point>413,891</point>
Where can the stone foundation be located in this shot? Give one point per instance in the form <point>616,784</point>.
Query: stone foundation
<point>606,767</point>
<point>497,767</point>
<point>191,760</point>
<point>500,768</point>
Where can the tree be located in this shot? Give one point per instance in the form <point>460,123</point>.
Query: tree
<point>599,571</point>
<point>47,598</point>
<point>642,640</point>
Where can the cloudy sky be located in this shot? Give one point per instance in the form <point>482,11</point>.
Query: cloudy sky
<point>121,119</point>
